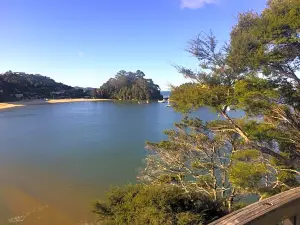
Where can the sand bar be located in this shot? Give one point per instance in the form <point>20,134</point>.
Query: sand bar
<point>8,105</point>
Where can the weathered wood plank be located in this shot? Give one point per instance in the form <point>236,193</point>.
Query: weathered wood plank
<point>268,211</point>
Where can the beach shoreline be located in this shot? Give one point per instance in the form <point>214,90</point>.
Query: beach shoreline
<point>8,105</point>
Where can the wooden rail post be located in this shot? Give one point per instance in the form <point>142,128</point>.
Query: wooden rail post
<point>281,209</point>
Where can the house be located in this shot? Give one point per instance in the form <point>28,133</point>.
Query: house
<point>19,96</point>
<point>57,92</point>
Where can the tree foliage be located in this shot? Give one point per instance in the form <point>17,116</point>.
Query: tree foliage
<point>198,157</point>
<point>33,86</point>
<point>268,42</point>
<point>258,153</point>
<point>130,86</point>
<point>141,204</point>
<point>194,159</point>
<point>257,96</point>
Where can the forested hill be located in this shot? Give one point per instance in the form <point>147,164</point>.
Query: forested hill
<point>130,86</point>
<point>17,86</point>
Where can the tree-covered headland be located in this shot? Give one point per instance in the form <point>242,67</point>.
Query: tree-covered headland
<point>129,86</point>
<point>225,160</point>
<point>16,86</point>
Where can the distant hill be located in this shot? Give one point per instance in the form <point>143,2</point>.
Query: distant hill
<point>128,85</point>
<point>18,85</point>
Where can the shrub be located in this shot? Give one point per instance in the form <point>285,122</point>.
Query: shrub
<point>156,204</point>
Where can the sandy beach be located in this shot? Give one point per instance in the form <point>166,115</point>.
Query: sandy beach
<point>8,105</point>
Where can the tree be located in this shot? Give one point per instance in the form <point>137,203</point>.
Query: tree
<point>162,204</point>
<point>130,86</point>
<point>231,156</point>
<point>218,86</point>
<point>224,159</point>
<point>270,41</point>
<point>194,159</point>
<point>217,164</point>
<point>31,86</point>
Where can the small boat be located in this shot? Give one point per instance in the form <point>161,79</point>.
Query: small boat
<point>143,102</point>
<point>227,108</point>
<point>168,105</point>
<point>162,101</point>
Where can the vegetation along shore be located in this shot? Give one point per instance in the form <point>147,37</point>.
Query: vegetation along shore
<point>35,88</point>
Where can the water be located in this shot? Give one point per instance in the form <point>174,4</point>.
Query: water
<point>56,159</point>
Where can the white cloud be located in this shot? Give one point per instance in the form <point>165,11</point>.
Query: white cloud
<point>195,4</point>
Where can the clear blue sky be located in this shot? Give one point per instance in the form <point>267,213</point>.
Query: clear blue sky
<point>85,42</point>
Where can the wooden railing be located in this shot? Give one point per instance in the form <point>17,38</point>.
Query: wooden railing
<point>281,209</point>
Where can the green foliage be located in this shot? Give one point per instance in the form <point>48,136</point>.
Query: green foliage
<point>246,155</point>
<point>239,205</point>
<point>255,95</point>
<point>168,179</point>
<point>130,86</point>
<point>188,218</point>
<point>33,86</point>
<point>247,176</point>
<point>267,192</point>
<point>140,204</point>
<point>191,96</point>
<point>259,131</point>
<point>193,159</point>
<point>288,178</point>
<point>268,42</point>
<point>247,170</point>
<point>228,157</point>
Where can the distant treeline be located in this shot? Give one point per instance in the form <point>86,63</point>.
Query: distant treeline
<point>129,86</point>
<point>16,86</point>
<point>19,85</point>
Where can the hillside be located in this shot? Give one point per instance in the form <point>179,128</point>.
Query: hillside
<point>18,85</point>
<point>129,86</point>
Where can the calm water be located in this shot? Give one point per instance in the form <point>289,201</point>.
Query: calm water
<point>56,159</point>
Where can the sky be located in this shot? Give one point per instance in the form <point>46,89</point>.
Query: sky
<point>85,42</point>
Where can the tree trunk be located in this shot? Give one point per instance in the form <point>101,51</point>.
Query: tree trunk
<point>214,175</point>
<point>223,183</point>
<point>236,127</point>
<point>230,200</point>
<point>263,149</point>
